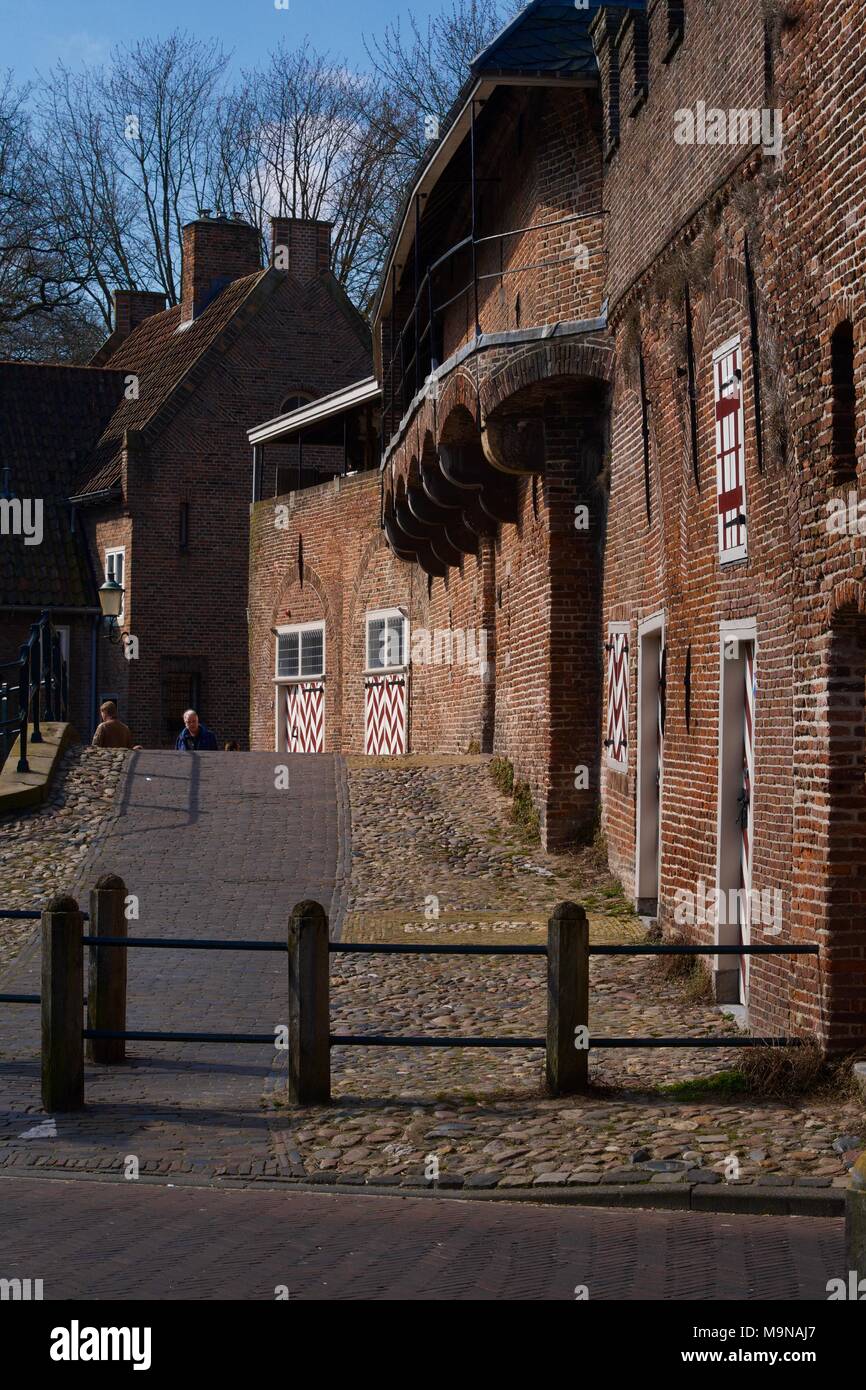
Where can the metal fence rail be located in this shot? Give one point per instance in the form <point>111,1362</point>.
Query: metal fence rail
<point>567,952</point>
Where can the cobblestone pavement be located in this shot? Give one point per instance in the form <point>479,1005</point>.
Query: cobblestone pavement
<point>41,851</point>
<point>211,848</point>
<point>437,837</point>
<point>124,1240</point>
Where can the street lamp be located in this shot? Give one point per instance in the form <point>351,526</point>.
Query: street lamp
<point>111,603</point>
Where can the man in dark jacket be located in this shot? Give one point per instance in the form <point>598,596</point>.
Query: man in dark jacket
<point>196,737</point>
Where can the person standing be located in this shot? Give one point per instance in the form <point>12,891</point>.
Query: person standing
<point>195,737</point>
<point>112,732</point>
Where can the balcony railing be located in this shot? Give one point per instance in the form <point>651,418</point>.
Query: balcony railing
<point>415,351</point>
<point>33,688</point>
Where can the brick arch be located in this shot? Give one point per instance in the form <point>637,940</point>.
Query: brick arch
<point>848,594</point>
<point>311,580</point>
<point>548,363</point>
<point>376,543</point>
<point>460,389</point>
<point>264,660</point>
<point>727,286</point>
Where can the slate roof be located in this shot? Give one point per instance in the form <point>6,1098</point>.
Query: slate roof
<point>50,420</point>
<point>547,37</point>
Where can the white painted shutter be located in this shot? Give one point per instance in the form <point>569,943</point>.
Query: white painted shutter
<point>730,451</point>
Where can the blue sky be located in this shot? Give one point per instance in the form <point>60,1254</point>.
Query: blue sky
<point>35,33</point>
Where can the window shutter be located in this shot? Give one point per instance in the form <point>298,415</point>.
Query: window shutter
<point>730,452</point>
<point>616,742</point>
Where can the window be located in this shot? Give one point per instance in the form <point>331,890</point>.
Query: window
<point>301,652</point>
<point>844,413</point>
<point>730,452</point>
<point>115,568</point>
<point>386,639</point>
<point>294,402</point>
<point>616,742</point>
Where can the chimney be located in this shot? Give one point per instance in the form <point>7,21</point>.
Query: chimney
<point>132,307</point>
<point>300,246</point>
<point>215,252</point>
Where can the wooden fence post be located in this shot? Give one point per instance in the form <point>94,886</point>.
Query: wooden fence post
<point>567,1000</point>
<point>309,1006</point>
<point>855,1220</point>
<point>106,986</point>
<point>62,1007</point>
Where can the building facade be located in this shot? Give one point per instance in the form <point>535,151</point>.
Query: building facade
<point>619,347</point>
<point>140,461</point>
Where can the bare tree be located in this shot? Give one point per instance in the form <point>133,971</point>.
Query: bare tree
<point>131,153</point>
<point>38,304</point>
<point>424,68</point>
<point>96,187</point>
<point>309,138</point>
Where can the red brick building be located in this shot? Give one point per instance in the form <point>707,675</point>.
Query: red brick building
<point>154,486</point>
<point>620,351</point>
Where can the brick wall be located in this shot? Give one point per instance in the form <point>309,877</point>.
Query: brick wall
<point>727,208</point>
<point>186,605</point>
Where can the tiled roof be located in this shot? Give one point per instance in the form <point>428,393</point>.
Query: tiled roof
<point>166,357</point>
<point>50,419</point>
<point>547,37</point>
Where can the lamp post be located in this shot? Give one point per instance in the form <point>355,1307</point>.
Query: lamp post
<point>111,603</point>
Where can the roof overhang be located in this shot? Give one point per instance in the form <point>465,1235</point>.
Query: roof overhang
<point>314,412</point>
<point>481,90</point>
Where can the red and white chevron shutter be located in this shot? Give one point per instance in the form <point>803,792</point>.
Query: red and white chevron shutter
<point>616,741</point>
<point>730,451</point>
<point>305,717</point>
<point>385,711</point>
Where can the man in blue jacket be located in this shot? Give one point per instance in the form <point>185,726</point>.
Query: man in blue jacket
<point>196,737</point>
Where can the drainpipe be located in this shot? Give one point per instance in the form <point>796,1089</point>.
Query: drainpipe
<point>94,654</point>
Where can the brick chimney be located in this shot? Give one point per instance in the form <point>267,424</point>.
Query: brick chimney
<point>300,246</point>
<point>216,250</point>
<point>132,307</point>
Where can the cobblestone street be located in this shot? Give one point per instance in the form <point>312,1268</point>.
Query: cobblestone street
<point>212,849</point>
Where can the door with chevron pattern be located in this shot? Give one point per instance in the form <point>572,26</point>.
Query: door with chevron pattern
<point>304,717</point>
<point>385,714</point>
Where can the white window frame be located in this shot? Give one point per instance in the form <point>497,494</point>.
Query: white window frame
<point>376,614</point>
<point>63,632</point>
<point>739,630</point>
<point>111,552</point>
<point>730,553</point>
<point>286,630</point>
<point>618,630</point>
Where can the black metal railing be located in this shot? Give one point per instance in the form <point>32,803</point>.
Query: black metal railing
<point>426,949</point>
<point>33,688</point>
<point>415,350</point>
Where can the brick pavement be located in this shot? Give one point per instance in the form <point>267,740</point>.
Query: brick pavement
<point>211,848</point>
<point>97,1240</point>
